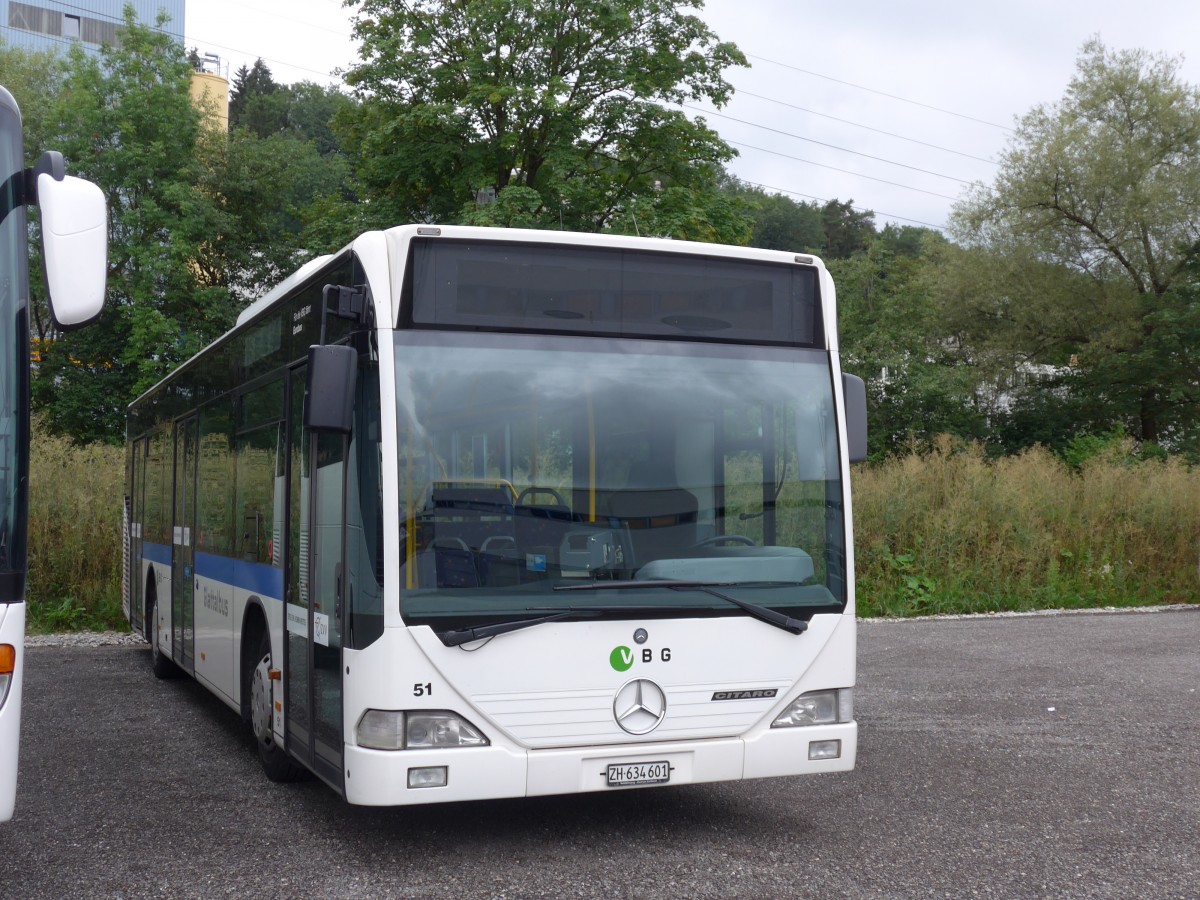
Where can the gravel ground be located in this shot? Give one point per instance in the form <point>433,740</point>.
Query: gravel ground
<point>999,756</point>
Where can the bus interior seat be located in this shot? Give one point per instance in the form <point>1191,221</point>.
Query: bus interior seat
<point>540,529</point>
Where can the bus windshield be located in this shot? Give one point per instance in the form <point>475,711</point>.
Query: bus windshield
<point>530,464</point>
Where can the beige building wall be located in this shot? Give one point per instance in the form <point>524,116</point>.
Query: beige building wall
<point>210,93</point>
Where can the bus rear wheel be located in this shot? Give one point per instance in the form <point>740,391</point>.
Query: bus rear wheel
<point>160,664</point>
<point>277,765</point>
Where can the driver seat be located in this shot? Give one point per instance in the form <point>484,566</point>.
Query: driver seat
<point>657,516</point>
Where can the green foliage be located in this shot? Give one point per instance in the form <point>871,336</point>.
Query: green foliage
<point>200,222</point>
<point>562,98</point>
<point>1086,248</point>
<point>892,336</point>
<point>778,222</point>
<point>249,85</point>
<point>304,110</point>
<point>950,531</point>
<point>848,232</point>
<point>74,534</point>
<point>514,207</point>
<point>127,123</point>
<point>31,76</point>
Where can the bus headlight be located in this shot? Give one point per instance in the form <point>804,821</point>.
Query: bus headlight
<point>442,729</point>
<point>382,729</point>
<point>818,708</point>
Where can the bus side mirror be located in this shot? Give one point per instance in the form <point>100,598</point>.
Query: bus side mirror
<point>329,404</point>
<point>74,243</point>
<point>854,393</point>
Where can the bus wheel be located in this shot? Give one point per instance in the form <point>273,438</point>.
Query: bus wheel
<point>160,663</point>
<point>275,761</point>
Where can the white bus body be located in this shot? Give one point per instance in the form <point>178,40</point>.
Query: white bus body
<point>550,513</point>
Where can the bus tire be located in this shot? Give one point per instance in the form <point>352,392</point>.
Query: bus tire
<point>277,765</point>
<point>160,664</point>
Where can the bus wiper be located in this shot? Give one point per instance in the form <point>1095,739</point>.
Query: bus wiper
<point>467,635</point>
<point>770,616</point>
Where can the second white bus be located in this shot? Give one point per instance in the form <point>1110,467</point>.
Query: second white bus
<point>74,236</point>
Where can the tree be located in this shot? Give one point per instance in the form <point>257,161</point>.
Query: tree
<point>127,123</point>
<point>1099,197</point>
<point>561,97</point>
<point>251,85</point>
<point>848,231</point>
<point>891,335</point>
<point>31,76</point>
<point>779,222</point>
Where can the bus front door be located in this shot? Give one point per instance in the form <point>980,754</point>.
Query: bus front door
<point>316,603</point>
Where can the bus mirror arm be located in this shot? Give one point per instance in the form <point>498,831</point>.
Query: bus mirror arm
<point>345,302</point>
<point>50,163</point>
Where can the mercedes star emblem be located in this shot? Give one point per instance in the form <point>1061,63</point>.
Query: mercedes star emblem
<point>639,706</point>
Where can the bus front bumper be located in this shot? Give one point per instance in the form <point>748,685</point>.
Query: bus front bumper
<point>382,778</point>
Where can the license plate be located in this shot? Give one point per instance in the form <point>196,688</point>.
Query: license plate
<point>632,774</point>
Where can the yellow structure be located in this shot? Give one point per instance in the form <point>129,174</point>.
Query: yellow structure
<point>210,92</point>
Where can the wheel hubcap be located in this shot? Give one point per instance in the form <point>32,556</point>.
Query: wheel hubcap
<point>260,700</point>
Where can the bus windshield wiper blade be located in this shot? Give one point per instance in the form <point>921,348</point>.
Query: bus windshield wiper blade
<point>762,613</point>
<point>467,635</point>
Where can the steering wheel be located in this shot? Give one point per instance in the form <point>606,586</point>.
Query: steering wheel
<point>718,539</point>
<point>531,491</point>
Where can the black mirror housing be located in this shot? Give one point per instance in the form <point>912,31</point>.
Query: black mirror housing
<point>854,392</point>
<point>329,404</point>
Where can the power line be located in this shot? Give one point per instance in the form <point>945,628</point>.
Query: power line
<point>860,87</point>
<point>876,212</point>
<point>891,134</point>
<point>181,36</point>
<point>890,162</point>
<point>906,187</point>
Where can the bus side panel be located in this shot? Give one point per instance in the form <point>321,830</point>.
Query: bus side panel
<point>214,618</point>
<point>12,631</point>
<point>262,586</point>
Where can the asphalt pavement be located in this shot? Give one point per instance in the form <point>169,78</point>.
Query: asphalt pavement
<point>1040,756</point>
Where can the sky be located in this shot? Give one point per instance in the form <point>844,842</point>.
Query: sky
<point>896,106</point>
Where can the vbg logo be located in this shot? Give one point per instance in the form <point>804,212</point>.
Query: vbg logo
<point>622,658</point>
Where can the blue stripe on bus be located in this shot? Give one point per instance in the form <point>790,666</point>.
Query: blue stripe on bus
<point>258,578</point>
<point>158,553</point>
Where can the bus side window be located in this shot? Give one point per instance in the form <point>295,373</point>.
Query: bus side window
<point>259,485</point>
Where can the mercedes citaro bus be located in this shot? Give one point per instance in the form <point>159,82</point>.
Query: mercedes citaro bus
<point>460,513</point>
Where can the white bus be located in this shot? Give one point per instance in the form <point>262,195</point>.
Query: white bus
<point>462,513</point>
<point>74,244</point>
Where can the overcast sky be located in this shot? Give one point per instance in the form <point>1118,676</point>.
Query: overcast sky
<point>872,64</point>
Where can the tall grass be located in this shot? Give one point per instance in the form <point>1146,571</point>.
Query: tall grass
<point>75,501</point>
<point>951,531</point>
<point>947,531</point>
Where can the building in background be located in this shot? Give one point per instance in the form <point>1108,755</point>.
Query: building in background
<point>55,24</point>
<point>210,89</point>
